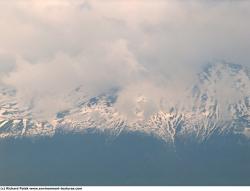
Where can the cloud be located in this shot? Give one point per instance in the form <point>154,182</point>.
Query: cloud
<point>43,83</point>
<point>139,46</point>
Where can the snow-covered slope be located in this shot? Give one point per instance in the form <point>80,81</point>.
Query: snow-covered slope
<point>219,104</point>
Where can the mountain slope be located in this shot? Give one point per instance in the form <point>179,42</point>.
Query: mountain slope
<point>220,104</point>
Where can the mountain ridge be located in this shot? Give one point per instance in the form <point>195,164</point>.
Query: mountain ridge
<point>220,103</point>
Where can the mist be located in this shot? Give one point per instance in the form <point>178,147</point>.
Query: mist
<point>149,48</point>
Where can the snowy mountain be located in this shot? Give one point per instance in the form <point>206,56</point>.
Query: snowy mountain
<point>219,103</point>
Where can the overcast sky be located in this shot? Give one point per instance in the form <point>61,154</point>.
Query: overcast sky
<point>49,47</point>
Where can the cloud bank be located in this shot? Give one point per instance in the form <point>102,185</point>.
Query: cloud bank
<point>148,47</point>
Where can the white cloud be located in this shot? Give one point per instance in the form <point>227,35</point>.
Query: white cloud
<point>43,83</point>
<point>58,45</point>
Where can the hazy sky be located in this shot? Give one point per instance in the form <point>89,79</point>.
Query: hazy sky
<point>49,47</point>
